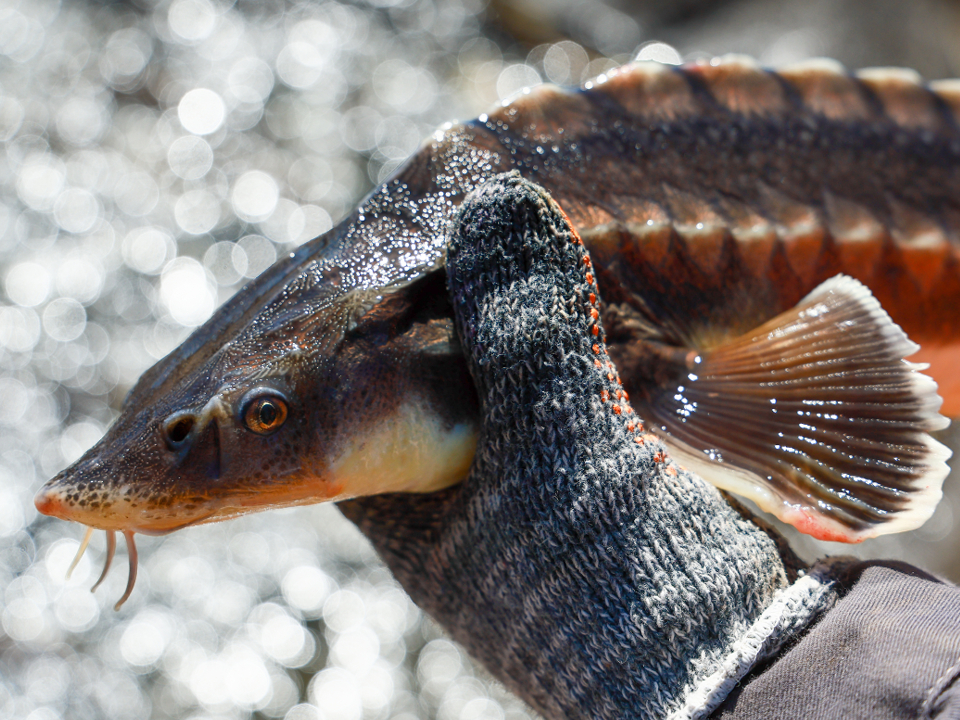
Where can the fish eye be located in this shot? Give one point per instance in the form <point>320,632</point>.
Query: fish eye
<point>265,412</point>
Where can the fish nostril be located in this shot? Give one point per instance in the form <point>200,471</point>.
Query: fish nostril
<point>177,428</point>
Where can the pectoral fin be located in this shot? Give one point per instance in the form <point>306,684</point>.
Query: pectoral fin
<point>816,417</point>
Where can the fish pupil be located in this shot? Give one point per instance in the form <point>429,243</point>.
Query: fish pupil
<point>268,414</point>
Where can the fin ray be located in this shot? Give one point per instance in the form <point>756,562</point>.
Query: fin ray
<point>820,409</point>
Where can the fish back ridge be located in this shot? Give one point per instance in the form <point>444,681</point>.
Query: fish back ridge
<point>717,130</point>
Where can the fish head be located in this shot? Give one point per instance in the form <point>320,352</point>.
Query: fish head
<point>198,454</point>
<point>327,390</point>
<point>335,374</point>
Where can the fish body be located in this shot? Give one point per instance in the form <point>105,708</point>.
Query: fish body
<point>715,199</point>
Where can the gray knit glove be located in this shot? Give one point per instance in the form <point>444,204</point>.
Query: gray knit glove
<point>578,562</point>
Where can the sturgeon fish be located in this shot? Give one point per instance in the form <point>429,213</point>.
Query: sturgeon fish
<point>750,231</point>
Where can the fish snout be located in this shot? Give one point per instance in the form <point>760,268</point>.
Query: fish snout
<point>76,494</point>
<point>49,501</point>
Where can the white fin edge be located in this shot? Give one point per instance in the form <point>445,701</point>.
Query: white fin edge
<point>925,387</point>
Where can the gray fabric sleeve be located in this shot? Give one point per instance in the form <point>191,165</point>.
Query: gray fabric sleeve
<point>889,650</point>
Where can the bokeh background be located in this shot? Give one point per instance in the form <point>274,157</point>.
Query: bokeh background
<point>157,155</point>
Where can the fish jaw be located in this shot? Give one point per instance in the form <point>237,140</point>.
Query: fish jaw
<point>118,512</point>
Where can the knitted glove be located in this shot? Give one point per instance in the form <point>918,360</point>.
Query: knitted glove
<point>587,571</point>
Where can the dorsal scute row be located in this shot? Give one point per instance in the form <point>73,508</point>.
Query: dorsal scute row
<point>734,92</point>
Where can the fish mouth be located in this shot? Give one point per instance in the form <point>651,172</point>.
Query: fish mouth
<point>114,514</point>
<point>121,517</point>
<point>50,500</point>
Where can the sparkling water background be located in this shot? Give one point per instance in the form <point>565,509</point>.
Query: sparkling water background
<point>158,155</point>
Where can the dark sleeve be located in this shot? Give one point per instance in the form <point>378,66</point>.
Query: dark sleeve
<point>890,648</point>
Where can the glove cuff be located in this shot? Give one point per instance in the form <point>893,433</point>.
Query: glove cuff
<point>792,611</point>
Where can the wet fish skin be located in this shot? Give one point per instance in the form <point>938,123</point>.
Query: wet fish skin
<point>712,197</point>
